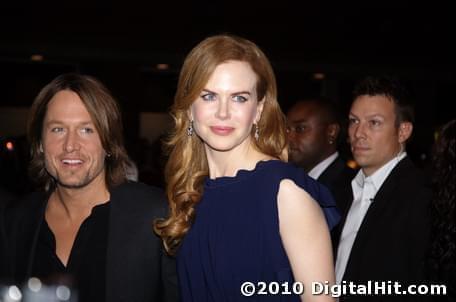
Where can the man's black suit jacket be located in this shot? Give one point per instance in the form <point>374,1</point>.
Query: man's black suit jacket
<point>337,178</point>
<point>137,269</point>
<point>393,238</point>
<point>5,198</point>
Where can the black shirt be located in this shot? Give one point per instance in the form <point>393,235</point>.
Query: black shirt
<point>86,267</point>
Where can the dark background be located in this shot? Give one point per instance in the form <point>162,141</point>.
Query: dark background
<point>122,44</point>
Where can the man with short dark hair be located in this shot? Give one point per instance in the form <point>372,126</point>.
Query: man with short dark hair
<point>313,129</point>
<point>385,232</point>
<point>90,228</point>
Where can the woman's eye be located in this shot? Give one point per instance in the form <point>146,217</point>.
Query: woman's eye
<point>240,98</point>
<point>208,97</point>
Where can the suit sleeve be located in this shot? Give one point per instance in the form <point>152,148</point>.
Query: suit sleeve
<point>170,289</point>
<point>169,278</point>
<point>419,229</point>
<point>2,247</point>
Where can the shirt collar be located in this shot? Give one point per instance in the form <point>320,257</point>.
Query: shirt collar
<point>379,176</point>
<point>321,167</point>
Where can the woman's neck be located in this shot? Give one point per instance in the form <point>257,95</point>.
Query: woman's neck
<point>228,163</point>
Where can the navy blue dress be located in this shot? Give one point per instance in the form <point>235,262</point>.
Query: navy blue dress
<point>235,236</point>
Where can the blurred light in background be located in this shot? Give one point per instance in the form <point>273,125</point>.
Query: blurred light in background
<point>352,164</point>
<point>319,76</point>
<point>37,58</point>
<point>9,146</point>
<point>162,66</point>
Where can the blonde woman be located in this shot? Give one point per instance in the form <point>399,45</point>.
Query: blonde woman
<point>238,212</point>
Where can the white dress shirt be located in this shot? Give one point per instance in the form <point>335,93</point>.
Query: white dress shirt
<point>364,191</point>
<point>318,169</point>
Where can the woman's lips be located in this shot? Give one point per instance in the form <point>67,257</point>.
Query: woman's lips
<point>222,130</point>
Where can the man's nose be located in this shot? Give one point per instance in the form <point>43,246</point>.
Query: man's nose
<point>71,142</point>
<point>360,130</point>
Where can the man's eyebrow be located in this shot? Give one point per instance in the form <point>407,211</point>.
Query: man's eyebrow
<point>376,115</point>
<point>58,122</point>
<point>298,121</point>
<point>367,116</point>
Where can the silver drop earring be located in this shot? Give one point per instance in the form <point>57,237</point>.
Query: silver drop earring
<point>257,132</point>
<point>190,129</point>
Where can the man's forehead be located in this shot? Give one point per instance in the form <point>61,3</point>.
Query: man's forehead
<point>305,111</point>
<point>66,106</point>
<point>62,121</point>
<point>373,105</point>
<point>297,121</point>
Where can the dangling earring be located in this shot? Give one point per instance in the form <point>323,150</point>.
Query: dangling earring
<point>41,149</point>
<point>257,132</point>
<point>190,129</point>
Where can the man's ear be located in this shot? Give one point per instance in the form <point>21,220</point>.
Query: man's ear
<point>332,131</point>
<point>405,131</point>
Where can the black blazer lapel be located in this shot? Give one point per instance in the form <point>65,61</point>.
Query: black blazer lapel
<point>23,228</point>
<point>121,229</point>
<point>133,264</point>
<point>337,232</point>
<point>330,174</point>
<point>384,196</point>
<point>338,177</point>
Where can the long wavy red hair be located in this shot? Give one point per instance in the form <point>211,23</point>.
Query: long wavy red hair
<point>187,166</point>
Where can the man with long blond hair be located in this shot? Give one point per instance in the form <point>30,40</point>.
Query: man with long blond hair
<point>238,212</point>
<point>90,228</point>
